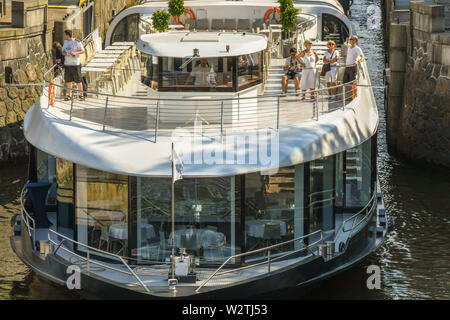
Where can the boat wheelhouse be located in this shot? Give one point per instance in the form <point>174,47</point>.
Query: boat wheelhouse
<point>277,191</point>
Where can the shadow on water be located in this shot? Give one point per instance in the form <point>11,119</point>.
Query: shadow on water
<point>414,261</point>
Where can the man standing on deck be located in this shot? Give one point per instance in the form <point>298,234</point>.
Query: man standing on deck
<point>355,57</point>
<point>71,50</point>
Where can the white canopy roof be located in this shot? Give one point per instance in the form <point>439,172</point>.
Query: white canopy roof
<point>181,44</point>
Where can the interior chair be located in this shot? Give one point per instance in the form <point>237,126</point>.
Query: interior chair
<point>272,233</point>
<point>104,238</point>
<point>216,24</point>
<point>189,242</point>
<point>229,24</point>
<point>212,228</point>
<point>202,24</point>
<point>243,25</point>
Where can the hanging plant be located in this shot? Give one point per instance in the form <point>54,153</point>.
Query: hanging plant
<point>176,8</point>
<point>160,20</point>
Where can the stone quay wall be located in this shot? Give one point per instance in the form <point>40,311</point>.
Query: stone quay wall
<point>418,78</point>
<point>25,48</point>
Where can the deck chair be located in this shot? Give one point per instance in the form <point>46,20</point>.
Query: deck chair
<point>229,24</point>
<point>202,24</point>
<point>217,24</point>
<point>243,25</point>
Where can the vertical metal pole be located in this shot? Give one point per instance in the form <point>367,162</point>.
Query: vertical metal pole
<point>268,258</point>
<point>71,108</point>
<point>104,117</point>
<point>343,97</point>
<point>278,113</point>
<point>157,120</point>
<point>221,119</point>
<point>87,261</point>
<point>173,218</point>
<point>316,96</point>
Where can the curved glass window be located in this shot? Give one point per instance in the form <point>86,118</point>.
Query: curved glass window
<point>210,74</point>
<point>46,172</point>
<point>126,30</point>
<point>64,197</point>
<point>206,218</point>
<point>334,29</point>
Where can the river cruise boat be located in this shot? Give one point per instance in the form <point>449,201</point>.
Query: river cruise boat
<point>277,190</point>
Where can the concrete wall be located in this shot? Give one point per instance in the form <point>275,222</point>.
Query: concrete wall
<point>26,51</point>
<point>418,103</point>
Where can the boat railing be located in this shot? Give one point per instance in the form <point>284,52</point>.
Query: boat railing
<point>89,261</point>
<point>116,112</point>
<point>27,219</point>
<point>269,260</point>
<point>366,211</point>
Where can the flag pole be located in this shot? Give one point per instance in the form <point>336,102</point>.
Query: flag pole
<point>173,217</point>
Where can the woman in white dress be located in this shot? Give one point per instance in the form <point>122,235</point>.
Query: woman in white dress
<point>309,62</point>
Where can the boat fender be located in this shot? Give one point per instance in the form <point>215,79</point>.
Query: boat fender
<point>341,246</point>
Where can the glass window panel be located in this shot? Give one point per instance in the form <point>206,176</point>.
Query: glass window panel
<point>321,204</point>
<point>64,197</point>
<point>102,209</point>
<point>206,218</point>
<point>203,74</point>
<point>358,175</point>
<point>126,30</point>
<point>46,172</point>
<point>249,69</point>
<point>274,210</point>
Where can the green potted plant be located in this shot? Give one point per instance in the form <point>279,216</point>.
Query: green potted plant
<point>176,8</point>
<point>288,23</point>
<point>160,20</point>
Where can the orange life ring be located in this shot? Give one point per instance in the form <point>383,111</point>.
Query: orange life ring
<point>189,12</point>
<point>354,90</point>
<point>272,11</point>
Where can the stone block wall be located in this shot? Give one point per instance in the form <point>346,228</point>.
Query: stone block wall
<point>418,105</point>
<point>27,52</point>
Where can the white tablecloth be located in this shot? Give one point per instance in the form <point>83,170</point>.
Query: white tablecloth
<point>205,238</point>
<point>120,231</point>
<point>255,228</point>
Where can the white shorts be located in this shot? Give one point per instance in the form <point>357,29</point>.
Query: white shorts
<point>331,76</point>
<point>308,79</point>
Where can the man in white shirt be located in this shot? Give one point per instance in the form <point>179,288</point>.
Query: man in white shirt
<point>355,57</point>
<point>200,73</point>
<point>71,50</point>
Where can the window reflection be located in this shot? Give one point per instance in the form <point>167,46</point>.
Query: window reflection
<point>274,210</point>
<point>102,209</point>
<point>64,197</point>
<point>321,197</point>
<point>46,172</point>
<point>126,30</point>
<point>358,175</point>
<point>205,218</point>
<point>249,69</point>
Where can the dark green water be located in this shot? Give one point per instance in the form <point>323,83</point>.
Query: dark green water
<point>414,261</point>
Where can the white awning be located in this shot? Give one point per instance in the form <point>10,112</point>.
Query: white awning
<point>181,44</point>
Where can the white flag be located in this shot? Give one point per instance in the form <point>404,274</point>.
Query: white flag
<point>177,173</point>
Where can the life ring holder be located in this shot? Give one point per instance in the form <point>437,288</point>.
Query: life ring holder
<point>189,12</point>
<point>272,11</point>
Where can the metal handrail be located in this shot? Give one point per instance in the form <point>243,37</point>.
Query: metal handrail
<point>370,204</point>
<point>89,260</point>
<point>268,261</point>
<point>27,218</point>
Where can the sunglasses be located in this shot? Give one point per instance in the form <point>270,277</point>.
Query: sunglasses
<point>353,39</point>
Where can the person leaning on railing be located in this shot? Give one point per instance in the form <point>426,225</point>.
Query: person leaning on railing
<point>355,57</point>
<point>71,50</point>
